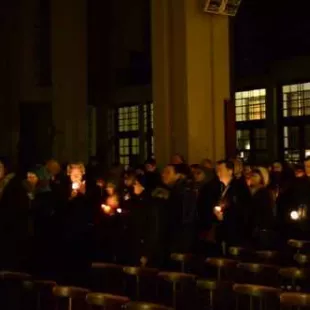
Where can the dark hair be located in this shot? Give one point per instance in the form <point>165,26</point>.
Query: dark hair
<point>130,174</point>
<point>181,157</point>
<point>7,164</point>
<point>228,163</point>
<point>307,158</point>
<point>181,169</point>
<point>195,166</point>
<point>150,161</point>
<point>140,179</point>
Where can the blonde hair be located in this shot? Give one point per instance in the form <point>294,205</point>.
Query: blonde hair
<point>79,166</point>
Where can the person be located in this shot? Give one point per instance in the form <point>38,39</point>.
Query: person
<point>76,246</point>
<point>14,220</point>
<point>182,209</point>
<point>137,221</point>
<point>41,208</point>
<point>232,208</point>
<point>152,176</point>
<point>262,215</point>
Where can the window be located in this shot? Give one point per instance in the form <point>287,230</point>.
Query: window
<point>250,105</point>
<point>134,139</point>
<point>243,140</point>
<point>252,144</point>
<point>296,100</point>
<point>291,143</point>
<point>260,139</point>
<point>128,119</point>
<point>148,129</point>
<point>124,154</point>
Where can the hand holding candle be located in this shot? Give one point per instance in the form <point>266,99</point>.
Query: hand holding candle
<point>106,209</point>
<point>218,212</point>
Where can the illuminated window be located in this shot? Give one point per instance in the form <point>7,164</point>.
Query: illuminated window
<point>250,105</point>
<point>128,119</point>
<point>124,151</point>
<point>134,139</point>
<point>296,100</point>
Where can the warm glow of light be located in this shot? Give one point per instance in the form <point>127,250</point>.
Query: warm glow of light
<point>119,210</point>
<point>106,209</point>
<point>218,209</point>
<point>127,197</point>
<point>295,215</point>
<point>75,185</point>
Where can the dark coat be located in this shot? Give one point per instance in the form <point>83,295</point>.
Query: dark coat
<point>234,229</point>
<point>14,226</point>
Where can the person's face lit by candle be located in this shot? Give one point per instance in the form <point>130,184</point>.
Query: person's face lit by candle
<point>110,189</point>
<point>138,188</point>
<point>256,180</point>
<point>76,175</point>
<point>299,173</point>
<point>170,176</point>
<point>277,167</point>
<point>32,179</point>
<point>112,201</point>
<point>225,171</point>
<point>129,180</point>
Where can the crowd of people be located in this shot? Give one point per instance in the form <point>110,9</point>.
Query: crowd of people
<point>54,222</point>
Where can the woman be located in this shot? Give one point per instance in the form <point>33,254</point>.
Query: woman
<point>76,224</point>
<point>137,221</point>
<point>262,207</point>
<point>14,216</point>
<point>41,207</point>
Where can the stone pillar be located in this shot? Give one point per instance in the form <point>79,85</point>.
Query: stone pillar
<point>190,51</point>
<point>69,77</point>
<point>272,121</point>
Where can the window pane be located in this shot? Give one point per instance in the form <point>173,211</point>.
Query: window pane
<point>250,105</point>
<point>243,140</point>
<point>296,100</point>
<point>291,137</point>
<point>260,139</point>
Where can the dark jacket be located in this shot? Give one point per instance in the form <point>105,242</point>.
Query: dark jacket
<point>262,208</point>
<point>234,229</point>
<point>14,226</point>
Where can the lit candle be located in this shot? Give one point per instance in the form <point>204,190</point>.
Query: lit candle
<point>106,209</point>
<point>75,186</point>
<point>218,209</point>
<point>295,215</point>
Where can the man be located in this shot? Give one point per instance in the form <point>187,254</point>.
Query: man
<point>181,209</point>
<point>232,209</point>
<point>152,176</point>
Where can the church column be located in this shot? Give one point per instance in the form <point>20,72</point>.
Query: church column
<point>69,76</point>
<point>190,80</point>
